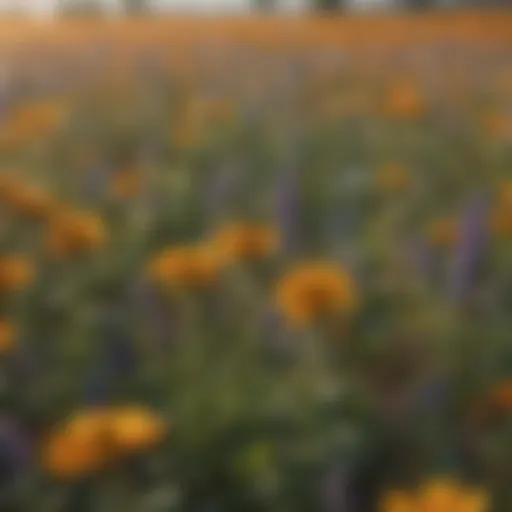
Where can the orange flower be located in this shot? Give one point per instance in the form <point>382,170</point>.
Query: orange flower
<point>40,118</point>
<point>505,195</point>
<point>405,101</point>
<point>504,84</point>
<point>438,495</point>
<point>443,232</point>
<point>398,501</point>
<point>501,396</point>
<point>475,500</point>
<point>501,217</point>
<point>187,136</point>
<point>30,202</point>
<point>190,266</point>
<point>90,439</point>
<point>12,137</point>
<point>135,428</point>
<point>7,184</point>
<point>16,273</point>
<point>30,121</point>
<point>501,222</point>
<point>346,103</point>
<point>79,447</point>
<point>200,109</point>
<point>7,337</point>
<point>315,289</point>
<point>75,234</point>
<point>497,124</point>
<point>243,242</point>
<point>83,156</point>
<point>394,178</point>
<point>126,184</point>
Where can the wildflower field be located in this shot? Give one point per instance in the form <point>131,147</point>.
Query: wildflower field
<point>256,264</point>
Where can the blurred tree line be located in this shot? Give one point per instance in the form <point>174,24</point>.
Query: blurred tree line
<point>337,5</point>
<point>141,7</point>
<point>81,8</point>
<point>321,5</point>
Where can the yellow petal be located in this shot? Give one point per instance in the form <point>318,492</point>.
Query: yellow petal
<point>398,501</point>
<point>475,500</point>
<point>440,495</point>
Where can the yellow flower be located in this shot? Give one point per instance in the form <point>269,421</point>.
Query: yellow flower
<point>247,242</point>
<point>80,446</point>
<point>135,428</point>
<point>443,232</point>
<point>75,234</point>
<point>438,495</point>
<point>314,289</point>
<point>394,178</point>
<point>189,266</point>
<point>7,337</point>
<point>16,273</point>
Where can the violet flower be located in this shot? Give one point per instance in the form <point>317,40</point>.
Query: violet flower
<point>95,183</point>
<point>120,355</point>
<point>288,209</point>
<point>97,389</point>
<point>424,258</point>
<point>334,491</point>
<point>471,249</point>
<point>221,189</point>
<point>145,300</point>
<point>15,448</point>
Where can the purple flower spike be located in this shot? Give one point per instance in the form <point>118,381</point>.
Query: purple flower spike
<point>471,249</point>
<point>144,299</point>
<point>334,491</point>
<point>95,183</point>
<point>433,394</point>
<point>288,209</point>
<point>15,448</point>
<point>97,389</point>
<point>424,259</point>
<point>120,354</point>
<point>221,189</point>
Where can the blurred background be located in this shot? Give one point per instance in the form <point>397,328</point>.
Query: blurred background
<point>255,256</point>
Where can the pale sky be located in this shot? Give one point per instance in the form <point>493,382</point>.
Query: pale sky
<point>42,7</point>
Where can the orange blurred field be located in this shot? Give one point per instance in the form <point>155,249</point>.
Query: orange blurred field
<point>279,31</point>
